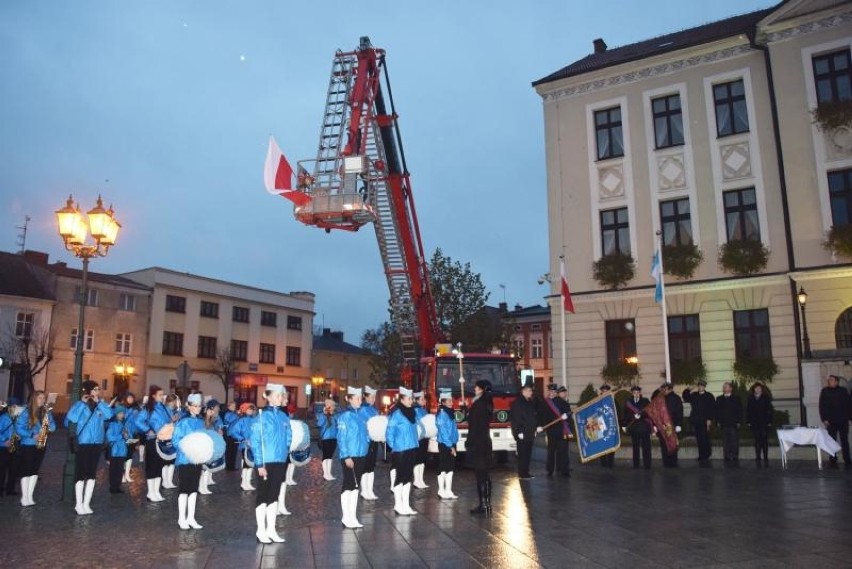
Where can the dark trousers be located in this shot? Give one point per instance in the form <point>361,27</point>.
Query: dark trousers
<point>641,441</point>
<point>5,460</point>
<point>351,476</point>
<point>189,475</point>
<point>731,443</point>
<point>328,447</point>
<point>403,462</point>
<point>669,458</point>
<point>86,466</point>
<point>153,462</point>
<point>268,488</point>
<point>230,453</point>
<point>446,460</point>
<point>525,448</point>
<point>13,471</point>
<point>835,429</point>
<point>761,442</point>
<point>557,453</point>
<point>116,471</point>
<point>372,454</point>
<point>702,439</point>
<point>31,458</point>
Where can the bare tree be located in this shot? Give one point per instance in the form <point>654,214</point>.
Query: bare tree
<point>224,368</point>
<point>29,353</point>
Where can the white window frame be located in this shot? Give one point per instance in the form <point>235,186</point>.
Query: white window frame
<point>24,324</point>
<point>127,302</point>
<point>88,343</point>
<point>536,348</point>
<point>123,343</point>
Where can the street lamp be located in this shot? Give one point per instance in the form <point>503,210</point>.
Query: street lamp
<point>74,228</point>
<point>802,298</point>
<point>460,357</point>
<point>124,369</point>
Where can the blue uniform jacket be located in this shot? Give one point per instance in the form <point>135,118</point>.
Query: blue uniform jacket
<point>7,429</point>
<point>448,432</point>
<point>90,431</point>
<point>240,430</point>
<point>150,422</point>
<point>116,436</point>
<point>270,436</point>
<point>327,426</point>
<point>130,421</point>
<point>401,433</point>
<point>352,437</point>
<point>367,411</point>
<point>419,412</point>
<point>28,434</point>
<point>230,419</point>
<point>183,427</point>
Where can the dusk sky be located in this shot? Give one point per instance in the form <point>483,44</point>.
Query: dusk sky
<point>173,102</point>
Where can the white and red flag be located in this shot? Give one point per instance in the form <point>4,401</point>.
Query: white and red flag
<point>567,303</point>
<point>278,176</point>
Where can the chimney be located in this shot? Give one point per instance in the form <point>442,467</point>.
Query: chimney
<point>518,307</point>
<point>326,332</point>
<point>600,45</point>
<point>503,307</point>
<point>337,335</point>
<point>36,257</point>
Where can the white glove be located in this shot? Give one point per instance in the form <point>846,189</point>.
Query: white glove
<point>677,429</point>
<point>538,429</point>
<point>564,416</point>
<point>520,436</point>
<point>655,430</point>
<point>636,415</point>
<point>623,429</point>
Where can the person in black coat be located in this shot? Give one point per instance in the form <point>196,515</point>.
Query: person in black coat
<point>524,427</point>
<point>759,411</point>
<point>638,425</point>
<point>675,408</point>
<point>729,416</point>
<point>478,443</point>
<point>834,414</point>
<point>549,411</point>
<point>703,406</point>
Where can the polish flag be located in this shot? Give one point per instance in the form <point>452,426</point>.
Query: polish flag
<point>278,176</point>
<point>567,303</point>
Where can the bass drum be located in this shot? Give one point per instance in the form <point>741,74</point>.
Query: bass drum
<point>166,450</point>
<point>215,465</point>
<point>300,457</point>
<point>248,457</point>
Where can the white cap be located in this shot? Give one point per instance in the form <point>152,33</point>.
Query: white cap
<point>369,390</point>
<point>274,387</point>
<point>353,391</point>
<point>194,399</point>
<point>418,394</point>
<point>403,392</point>
<point>444,394</point>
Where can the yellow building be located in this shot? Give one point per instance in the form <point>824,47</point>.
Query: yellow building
<point>336,364</point>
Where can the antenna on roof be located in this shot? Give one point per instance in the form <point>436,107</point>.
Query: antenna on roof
<point>22,236</point>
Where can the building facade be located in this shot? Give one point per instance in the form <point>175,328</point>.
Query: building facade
<point>532,342</point>
<point>336,365</point>
<point>705,140</point>
<point>263,336</point>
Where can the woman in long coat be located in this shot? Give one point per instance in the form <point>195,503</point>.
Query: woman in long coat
<point>478,444</point>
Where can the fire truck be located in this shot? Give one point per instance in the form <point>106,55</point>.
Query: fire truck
<point>359,177</point>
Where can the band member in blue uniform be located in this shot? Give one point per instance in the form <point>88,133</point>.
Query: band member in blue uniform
<point>117,436</point>
<point>30,426</point>
<point>86,421</point>
<point>240,430</point>
<point>327,425</point>
<point>173,408</point>
<point>228,421</point>
<point>7,431</point>
<point>402,437</point>
<point>352,443</point>
<point>270,441</point>
<point>448,437</point>
<point>132,411</point>
<point>189,469</point>
<point>368,411</point>
<point>423,445</point>
<point>151,418</point>
<point>212,422</point>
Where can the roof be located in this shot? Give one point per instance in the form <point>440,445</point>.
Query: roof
<point>19,277</point>
<point>63,270</point>
<point>333,343</point>
<point>535,310</point>
<point>706,33</point>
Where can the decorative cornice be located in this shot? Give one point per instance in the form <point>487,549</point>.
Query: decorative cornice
<point>646,73</point>
<point>809,27</point>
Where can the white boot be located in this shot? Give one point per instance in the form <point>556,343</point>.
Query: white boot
<point>79,490</point>
<point>182,501</point>
<point>393,476</point>
<point>282,494</point>
<point>154,490</point>
<point>291,470</point>
<point>406,499</point>
<point>246,483</point>
<point>25,491</point>
<point>202,483</point>
<point>397,500</point>
<point>365,486</point>
<point>87,497</point>
<point>33,480</point>
<point>271,512</point>
<point>353,509</point>
<point>210,481</point>
<point>260,516</point>
<point>168,479</point>
<point>128,464</point>
<point>419,469</point>
<point>141,452</point>
<point>190,511</point>
<point>326,469</point>
<point>441,481</point>
<point>448,486</point>
<point>158,488</point>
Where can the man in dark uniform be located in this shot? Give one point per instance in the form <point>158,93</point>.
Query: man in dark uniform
<point>834,414</point>
<point>524,427</point>
<point>701,418</point>
<point>729,415</point>
<point>675,408</point>
<point>565,407</point>
<point>638,425</point>
<point>557,445</point>
<point>607,460</point>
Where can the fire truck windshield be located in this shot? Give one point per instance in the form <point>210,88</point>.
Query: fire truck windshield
<point>502,374</point>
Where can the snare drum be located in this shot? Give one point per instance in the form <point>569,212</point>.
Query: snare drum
<point>300,457</point>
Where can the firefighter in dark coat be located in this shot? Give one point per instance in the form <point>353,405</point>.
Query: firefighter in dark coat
<point>478,443</point>
<point>834,414</point>
<point>638,426</point>
<point>524,427</point>
<point>549,411</point>
<point>729,416</point>
<point>675,408</point>
<point>701,417</point>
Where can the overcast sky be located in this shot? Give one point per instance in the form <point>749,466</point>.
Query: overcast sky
<point>173,102</point>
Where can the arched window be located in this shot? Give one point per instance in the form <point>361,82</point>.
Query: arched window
<point>843,329</point>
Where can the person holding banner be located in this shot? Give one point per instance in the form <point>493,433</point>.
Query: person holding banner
<point>668,432</point>
<point>550,412</point>
<point>638,426</point>
<point>524,429</point>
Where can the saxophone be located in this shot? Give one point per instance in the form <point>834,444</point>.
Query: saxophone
<point>41,439</point>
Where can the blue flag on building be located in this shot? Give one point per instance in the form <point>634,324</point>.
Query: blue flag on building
<point>596,425</point>
<point>657,274</point>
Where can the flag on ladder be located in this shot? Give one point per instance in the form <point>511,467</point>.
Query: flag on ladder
<point>278,175</point>
<point>657,274</point>
<point>567,303</point>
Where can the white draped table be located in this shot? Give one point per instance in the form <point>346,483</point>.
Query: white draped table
<point>804,436</point>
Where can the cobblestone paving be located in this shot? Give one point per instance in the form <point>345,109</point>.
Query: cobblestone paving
<point>690,517</point>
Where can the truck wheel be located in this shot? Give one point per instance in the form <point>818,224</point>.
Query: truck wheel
<point>501,457</point>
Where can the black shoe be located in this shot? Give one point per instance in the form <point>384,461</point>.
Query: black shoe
<point>487,495</point>
<point>116,491</point>
<point>833,465</point>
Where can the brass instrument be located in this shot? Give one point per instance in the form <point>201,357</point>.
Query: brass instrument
<point>13,443</point>
<point>41,439</point>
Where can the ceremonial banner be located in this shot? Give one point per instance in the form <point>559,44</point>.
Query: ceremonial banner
<point>659,414</point>
<point>596,426</point>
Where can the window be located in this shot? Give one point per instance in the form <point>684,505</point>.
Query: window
<point>675,221</point>
<point>840,193</point>
<point>241,314</point>
<point>88,344</point>
<point>206,347</point>
<point>294,322</point>
<point>608,133</point>
<point>172,344</point>
<point>91,295</point>
<point>267,353</point>
<point>843,330</point>
<point>175,303</point>
<point>354,374</point>
<point>620,340</point>
<point>518,348</point>
<point>209,309</point>
<point>123,343</point>
<point>294,356</point>
<point>239,350</point>
<point>684,338</point>
<point>751,334</point>
<point>24,324</point>
<point>69,381</point>
<point>268,319</point>
<point>127,302</point>
<point>668,121</point>
<point>615,231</point>
<point>537,347</point>
<point>741,215</point>
<point>731,111</point>
<point>833,77</point>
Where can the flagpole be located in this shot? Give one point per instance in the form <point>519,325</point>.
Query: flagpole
<point>562,322</point>
<point>663,304</point>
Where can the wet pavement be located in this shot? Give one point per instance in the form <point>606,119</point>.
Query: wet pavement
<point>625,518</point>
